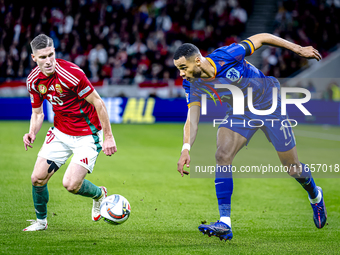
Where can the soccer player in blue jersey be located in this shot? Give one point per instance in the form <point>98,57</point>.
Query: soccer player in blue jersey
<point>228,63</point>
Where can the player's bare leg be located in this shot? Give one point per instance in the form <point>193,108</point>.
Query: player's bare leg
<point>74,181</point>
<point>228,144</point>
<point>303,175</point>
<point>74,177</point>
<point>43,171</point>
<point>289,159</point>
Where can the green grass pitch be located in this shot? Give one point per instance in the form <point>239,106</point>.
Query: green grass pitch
<point>268,215</point>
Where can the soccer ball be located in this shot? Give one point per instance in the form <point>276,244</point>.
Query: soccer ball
<point>115,209</point>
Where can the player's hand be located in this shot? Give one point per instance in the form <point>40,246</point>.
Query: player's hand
<point>109,146</point>
<point>183,160</point>
<point>28,139</point>
<point>310,53</point>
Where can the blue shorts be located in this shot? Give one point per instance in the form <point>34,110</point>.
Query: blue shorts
<point>277,128</point>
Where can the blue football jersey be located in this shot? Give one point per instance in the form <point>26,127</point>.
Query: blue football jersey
<point>232,68</point>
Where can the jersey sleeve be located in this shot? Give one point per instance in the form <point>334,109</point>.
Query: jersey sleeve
<point>248,46</point>
<point>192,97</point>
<point>36,98</point>
<point>84,87</point>
<point>235,52</point>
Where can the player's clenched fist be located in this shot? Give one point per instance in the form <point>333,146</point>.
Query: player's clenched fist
<point>109,146</point>
<point>28,139</point>
<point>183,160</point>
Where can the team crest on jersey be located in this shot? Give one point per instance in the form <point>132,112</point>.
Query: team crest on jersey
<point>42,88</point>
<point>58,88</point>
<point>233,74</point>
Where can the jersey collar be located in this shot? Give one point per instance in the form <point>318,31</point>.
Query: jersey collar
<point>213,64</point>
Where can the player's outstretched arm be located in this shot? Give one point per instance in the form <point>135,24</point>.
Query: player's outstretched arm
<point>268,39</point>
<point>37,119</point>
<point>109,144</point>
<point>189,136</point>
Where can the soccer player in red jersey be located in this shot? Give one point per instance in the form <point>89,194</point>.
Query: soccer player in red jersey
<point>80,120</point>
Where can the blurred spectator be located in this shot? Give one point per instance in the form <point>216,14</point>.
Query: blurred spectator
<point>240,16</point>
<point>333,92</point>
<point>163,22</point>
<point>118,72</point>
<point>106,70</point>
<point>137,47</point>
<point>97,58</point>
<point>116,39</point>
<point>306,22</point>
<point>310,87</point>
<point>199,22</point>
<point>126,41</point>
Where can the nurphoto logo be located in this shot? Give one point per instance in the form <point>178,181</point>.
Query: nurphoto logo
<point>238,104</point>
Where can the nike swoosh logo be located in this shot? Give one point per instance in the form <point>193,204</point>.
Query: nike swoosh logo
<point>218,183</point>
<point>288,142</point>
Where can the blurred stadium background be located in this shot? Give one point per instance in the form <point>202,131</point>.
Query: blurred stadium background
<point>125,47</point>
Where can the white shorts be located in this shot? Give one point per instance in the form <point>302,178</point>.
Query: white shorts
<point>58,147</point>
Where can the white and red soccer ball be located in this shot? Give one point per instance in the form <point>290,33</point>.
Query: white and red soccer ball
<point>115,209</point>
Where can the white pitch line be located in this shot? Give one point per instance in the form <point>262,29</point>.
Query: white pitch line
<point>312,134</point>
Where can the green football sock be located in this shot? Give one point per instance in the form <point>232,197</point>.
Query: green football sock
<point>40,199</point>
<point>88,189</point>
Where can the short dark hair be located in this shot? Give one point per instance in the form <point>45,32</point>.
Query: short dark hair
<point>186,50</point>
<point>41,41</point>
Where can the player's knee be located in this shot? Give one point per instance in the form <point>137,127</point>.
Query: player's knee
<point>71,187</point>
<point>36,181</point>
<point>223,157</point>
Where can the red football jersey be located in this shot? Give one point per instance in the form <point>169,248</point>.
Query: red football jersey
<point>65,90</point>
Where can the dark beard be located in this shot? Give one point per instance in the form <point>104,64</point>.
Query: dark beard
<point>197,73</point>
